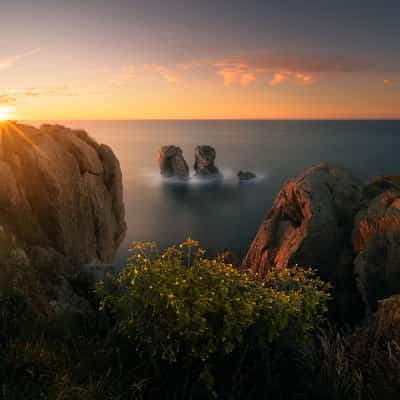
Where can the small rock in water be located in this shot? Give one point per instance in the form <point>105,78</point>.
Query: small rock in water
<point>204,167</point>
<point>172,163</point>
<point>246,176</point>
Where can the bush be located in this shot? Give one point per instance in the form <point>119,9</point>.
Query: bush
<point>180,307</point>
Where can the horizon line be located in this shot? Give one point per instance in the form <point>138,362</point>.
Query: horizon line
<point>214,119</point>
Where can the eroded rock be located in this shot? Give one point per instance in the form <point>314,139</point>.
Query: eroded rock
<point>61,191</point>
<point>204,167</point>
<point>310,224</point>
<point>172,163</point>
<point>245,176</point>
<point>376,241</point>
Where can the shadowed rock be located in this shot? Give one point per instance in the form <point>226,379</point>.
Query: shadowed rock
<point>204,157</point>
<point>61,193</point>
<point>310,224</point>
<point>172,163</point>
<point>245,176</point>
<point>376,241</point>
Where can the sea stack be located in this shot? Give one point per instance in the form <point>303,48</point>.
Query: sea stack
<point>204,157</point>
<point>245,176</point>
<point>172,163</point>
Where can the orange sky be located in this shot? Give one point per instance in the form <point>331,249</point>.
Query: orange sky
<point>135,61</point>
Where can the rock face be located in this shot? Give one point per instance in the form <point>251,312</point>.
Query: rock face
<point>172,163</point>
<point>310,224</point>
<point>326,219</point>
<point>245,176</point>
<point>376,241</point>
<point>204,167</point>
<point>61,193</point>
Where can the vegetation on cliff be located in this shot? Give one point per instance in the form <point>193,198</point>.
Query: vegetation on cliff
<point>175,324</point>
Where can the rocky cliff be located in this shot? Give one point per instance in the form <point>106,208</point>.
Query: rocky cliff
<point>60,193</point>
<point>350,232</point>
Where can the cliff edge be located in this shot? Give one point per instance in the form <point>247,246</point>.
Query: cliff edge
<point>61,193</point>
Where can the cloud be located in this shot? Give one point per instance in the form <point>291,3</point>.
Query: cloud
<point>387,82</point>
<point>171,74</point>
<point>287,76</point>
<point>231,76</point>
<point>244,69</point>
<point>10,61</point>
<point>14,97</point>
<point>298,69</point>
<point>269,62</point>
<point>278,78</point>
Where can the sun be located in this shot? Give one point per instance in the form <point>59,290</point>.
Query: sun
<point>4,113</point>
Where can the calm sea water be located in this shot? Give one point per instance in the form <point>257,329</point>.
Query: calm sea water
<point>227,216</point>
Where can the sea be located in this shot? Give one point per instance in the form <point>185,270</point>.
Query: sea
<point>226,216</point>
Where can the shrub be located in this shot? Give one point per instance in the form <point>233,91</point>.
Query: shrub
<point>358,364</point>
<point>180,307</point>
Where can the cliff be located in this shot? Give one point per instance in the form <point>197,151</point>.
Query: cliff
<point>327,219</point>
<point>60,194</point>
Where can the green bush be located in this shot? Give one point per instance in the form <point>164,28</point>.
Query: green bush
<point>180,307</point>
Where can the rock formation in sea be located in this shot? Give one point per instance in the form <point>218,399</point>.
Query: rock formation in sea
<point>327,219</point>
<point>204,158</point>
<point>245,176</point>
<point>60,194</point>
<point>172,163</point>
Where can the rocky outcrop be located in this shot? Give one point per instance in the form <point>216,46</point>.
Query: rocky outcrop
<point>376,241</point>
<point>172,163</point>
<point>60,193</point>
<point>310,224</point>
<point>349,232</point>
<point>204,167</point>
<point>245,176</point>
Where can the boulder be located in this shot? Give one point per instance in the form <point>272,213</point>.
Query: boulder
<point>204,167</point>
<point>172,163</point>
<point>245,176</point>
<point>61,193</point>
<point>310,224</point>
<point>376,241</point>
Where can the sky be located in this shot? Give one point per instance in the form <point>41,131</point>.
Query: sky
<point>171,59</point>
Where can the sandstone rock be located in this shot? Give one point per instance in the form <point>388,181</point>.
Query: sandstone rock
<point>310,224</point>
<point>61,191</point>
<point>172,163</point>
<point>204,162</point>
<point>376,241</point>
<point>245,176</point>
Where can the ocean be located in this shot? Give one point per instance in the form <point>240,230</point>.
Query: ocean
<point>227,216</point>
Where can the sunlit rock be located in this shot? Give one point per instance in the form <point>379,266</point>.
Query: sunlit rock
<point>310,224</point>
<point>61,191</point>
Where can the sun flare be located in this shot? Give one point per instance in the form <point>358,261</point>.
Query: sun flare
<point>4,113</point>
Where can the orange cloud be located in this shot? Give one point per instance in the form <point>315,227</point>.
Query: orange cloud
<point>13,97</point>
<point>10,61</point>
<point>278,78</point>
<point>243,78</point>
<point>387,82</point>
<point>298,69</point>
<point>244,69</point>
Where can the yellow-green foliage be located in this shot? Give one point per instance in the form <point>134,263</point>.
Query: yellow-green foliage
<point>179,306</point>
